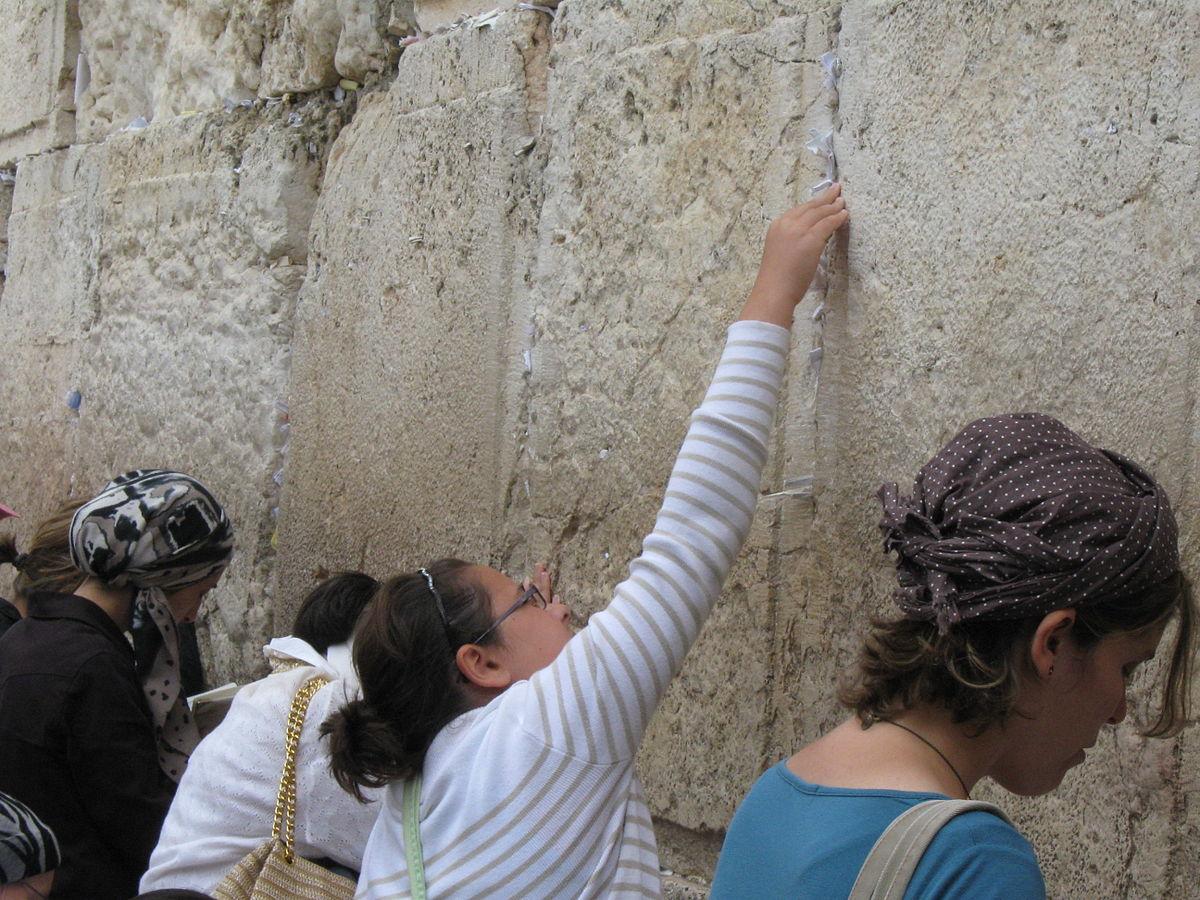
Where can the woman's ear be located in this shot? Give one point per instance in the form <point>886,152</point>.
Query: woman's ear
<point>1050,640</point>
<point>483,667</point>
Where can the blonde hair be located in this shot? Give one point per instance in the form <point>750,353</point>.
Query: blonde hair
<point>46,565</point>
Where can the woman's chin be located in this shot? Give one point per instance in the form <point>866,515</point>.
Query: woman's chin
<point>1026,787</point>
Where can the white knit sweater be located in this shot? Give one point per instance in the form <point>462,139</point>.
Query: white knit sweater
<point>535,794</point>
<point>225,804</point>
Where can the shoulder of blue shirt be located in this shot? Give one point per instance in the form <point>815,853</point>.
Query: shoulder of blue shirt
<point>978,854</point>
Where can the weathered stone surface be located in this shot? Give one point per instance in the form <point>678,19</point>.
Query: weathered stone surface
<point>39,44</point>
<point>431,14</point>
<point>162,59</point>
<point>683,889</point>
<point>408,357</point>
<point>1013,177</point>
<point>666,163</point>
<point>602,26</point>
<point>526,252</point>
<point>36,427</point>
<point>161,259</point>
<point>6,194</point>
<point>321,42</point>
<point>54,228</point>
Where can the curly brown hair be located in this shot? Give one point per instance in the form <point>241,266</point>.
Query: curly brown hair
<point>974,670</point>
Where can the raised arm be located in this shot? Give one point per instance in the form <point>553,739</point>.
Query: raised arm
<point>596,699</point>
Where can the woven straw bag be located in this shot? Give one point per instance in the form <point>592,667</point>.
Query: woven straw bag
<point>272,871</point>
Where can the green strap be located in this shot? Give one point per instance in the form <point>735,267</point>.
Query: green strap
<point>412,837</point>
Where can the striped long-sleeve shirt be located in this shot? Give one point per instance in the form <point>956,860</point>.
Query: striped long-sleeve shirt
<point>535,794</point>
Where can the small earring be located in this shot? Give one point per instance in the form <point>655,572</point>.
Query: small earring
<point>1051,672</point>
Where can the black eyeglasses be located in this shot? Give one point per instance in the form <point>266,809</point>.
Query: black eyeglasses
<point>531,595</point>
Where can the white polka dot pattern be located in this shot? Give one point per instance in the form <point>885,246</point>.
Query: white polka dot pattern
<point>1018,516</point>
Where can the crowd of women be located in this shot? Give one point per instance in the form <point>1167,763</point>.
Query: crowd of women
<point>446,733</point>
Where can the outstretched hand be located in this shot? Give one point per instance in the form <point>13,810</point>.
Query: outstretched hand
<point>795,242</point>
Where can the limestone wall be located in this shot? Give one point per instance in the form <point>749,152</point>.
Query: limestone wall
<point>401,299</point>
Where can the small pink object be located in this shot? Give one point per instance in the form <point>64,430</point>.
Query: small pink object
<point>7,512</point>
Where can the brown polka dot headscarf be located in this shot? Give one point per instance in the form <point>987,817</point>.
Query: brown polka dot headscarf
<point>1018,516</point>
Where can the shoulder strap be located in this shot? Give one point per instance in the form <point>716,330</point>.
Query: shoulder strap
<point>284,827</point>
<point>412,837</point>
<point>890,864</point>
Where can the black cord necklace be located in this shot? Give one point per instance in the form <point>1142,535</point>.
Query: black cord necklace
<point>930,745</point>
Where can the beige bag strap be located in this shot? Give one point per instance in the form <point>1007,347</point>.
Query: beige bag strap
<point>890,864</point>
<point>284,828</point>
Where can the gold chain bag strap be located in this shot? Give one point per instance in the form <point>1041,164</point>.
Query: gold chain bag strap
<point>272,871</point>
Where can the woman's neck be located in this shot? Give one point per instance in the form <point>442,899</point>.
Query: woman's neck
<point>116,602</point>
<point>886,757</point>
<point>947,746</point>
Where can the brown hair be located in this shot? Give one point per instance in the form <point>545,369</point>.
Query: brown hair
<point>411,686</point>
<point>974,669</point>
<point>46,565</point>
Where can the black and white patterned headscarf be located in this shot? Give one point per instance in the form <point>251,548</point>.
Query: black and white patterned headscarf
<point>1018,516</point>
<point>159,532</point>
<point>27,846</point>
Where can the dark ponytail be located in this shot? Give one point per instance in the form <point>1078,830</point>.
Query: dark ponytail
<point>404,655</point>
<point>8,553</point>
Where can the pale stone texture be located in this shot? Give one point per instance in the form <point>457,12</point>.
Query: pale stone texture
<point>525,253</point>
<point>157,60</point>
<point>6,194</point>
<point>39,44</point>
<point>668,158</point>
<point>431,14</point>
<point>1024,192</point>
<point>408,364</point>
<point>156,274</point>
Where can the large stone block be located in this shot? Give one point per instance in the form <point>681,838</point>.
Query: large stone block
<point>1018,179</point>
<point>54,230</point>
<point>602,26</point>
<point>158,60</point>
<point>184,243</point>
<point>408,365</point>
<point>667,161</point>
<point>39,44</point>
<point>35,428</point>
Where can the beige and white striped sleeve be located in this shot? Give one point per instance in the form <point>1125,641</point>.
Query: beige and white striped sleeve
<point>596,700</point>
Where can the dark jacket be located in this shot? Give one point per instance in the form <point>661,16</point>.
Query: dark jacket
<point>8,616</point>
<point>77,744</point>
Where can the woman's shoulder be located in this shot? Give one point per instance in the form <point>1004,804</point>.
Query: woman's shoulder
<point>979,854</point>
<point>264,705</point>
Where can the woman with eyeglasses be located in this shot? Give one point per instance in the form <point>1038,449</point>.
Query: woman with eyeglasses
<point>523,736</point>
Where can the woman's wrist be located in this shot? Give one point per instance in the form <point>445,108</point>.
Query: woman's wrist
<point>768,306</point>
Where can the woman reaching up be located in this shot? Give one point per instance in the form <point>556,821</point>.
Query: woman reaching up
<point>517,738</point>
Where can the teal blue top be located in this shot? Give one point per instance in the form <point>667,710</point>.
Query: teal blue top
<point>794,839</point>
